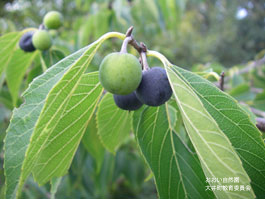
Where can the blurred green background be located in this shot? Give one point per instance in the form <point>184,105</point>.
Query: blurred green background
<point>190,33</point>
<point>186,31</point>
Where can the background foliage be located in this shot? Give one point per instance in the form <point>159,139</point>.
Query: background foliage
<point>202,36</point>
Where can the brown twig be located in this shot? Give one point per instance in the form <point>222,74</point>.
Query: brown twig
<point>133,42</point>
<point>41,27</point>
<point>110,4</point>
<point>260,120</point>
<point>221,81</point>
<point>143,57</point>
<point>260,124</point>
<point>257,112</point>
<point>129,31</point>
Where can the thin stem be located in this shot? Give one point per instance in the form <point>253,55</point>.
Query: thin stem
<point>144,61</point>
<point>257,112</point>
<point>111,35</point>
<point>260,120</point>
<point>160,56</point>
<point>221,81</point>
<point>43,64</point>
<point>29,29</point>
<point>135,44</point>
<point>260,124</point>
<point>125,44</point>
<point>129,31</point>
<point>41,27</point>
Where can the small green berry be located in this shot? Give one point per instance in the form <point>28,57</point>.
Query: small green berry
<point>42,40</point>
<point>53,33</point>
<point>120,73</point>
<point>53,20</point>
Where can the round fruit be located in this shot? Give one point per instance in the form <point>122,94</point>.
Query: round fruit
<point>120,73</point>
<point>53,20</point>
<point>25,42</point>
<point>42,40</point>
<point>53,33</point>
<point>154,88</point>
<point>127,102</point>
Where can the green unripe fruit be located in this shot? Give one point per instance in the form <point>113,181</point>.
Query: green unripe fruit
<point>120,73</point>
<point>53,20</point>
<point>42,40</point>
<point>53,33</point>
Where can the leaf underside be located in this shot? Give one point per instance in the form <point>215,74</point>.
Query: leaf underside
<point>236,124</point>
<point>58,150</point>
<point>176,169</point>
<point>93,144</point>
<point>114,124</point>
<point>66,112</point>
<point>16,70</point>
<point>217,156</point>
<point>8,45</point>
<point>24,119</point>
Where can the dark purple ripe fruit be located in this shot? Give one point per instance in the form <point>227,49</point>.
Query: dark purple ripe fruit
<point>25,42</point>
<point>154,89</point>
<point>127,102</point>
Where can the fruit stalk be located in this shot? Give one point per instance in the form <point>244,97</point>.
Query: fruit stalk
<point>144,58</point>
<point>160,56</point>
<point>41,27</point>
<point>125,44</point>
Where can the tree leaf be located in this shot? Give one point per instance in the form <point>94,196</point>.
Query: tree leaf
<point>93,144</point>
<point>217,156</point>
<point>52,56</point>
<point>236,124</point>
<point>242,92</point>
<point>55,182</point>
<point>56,120</point>
<point>8,44</point>
<point>176,169</point>
<point>114,124</point>
<point>16,70</point>
<point>53,120</point>
<point>259,101</point>
<point>5,98</point>
<point>24,119</point>
<point>55,155</point>
<point>42,117</point>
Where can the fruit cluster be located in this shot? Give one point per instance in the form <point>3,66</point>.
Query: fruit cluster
<point>41,39</point>
<point>121,74</point>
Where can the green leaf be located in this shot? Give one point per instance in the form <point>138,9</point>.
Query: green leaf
<point>24,119</point>
<point>217,155</point>
<point>251,115</point>
<point>114,124</point>
<point>259,101</point>
<point>8,44</point>
<point>236,124</point>
<point>66,110</point>
<point>34,72</point>
<point>5,98</point>
<point>176,169</point>
<point>34,114</point>
<point>55,182</point>
<point>66,128</point>
<point>242,92</point>
<point>16,70</point>
<point>52,56</point>
<point>93,144</point>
